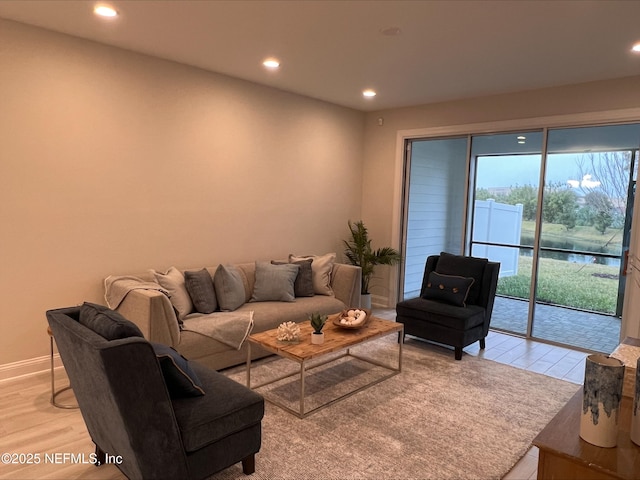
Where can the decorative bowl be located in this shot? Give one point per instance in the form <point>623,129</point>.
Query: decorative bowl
<point>345,314</point>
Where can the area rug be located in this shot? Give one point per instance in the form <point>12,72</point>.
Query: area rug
<point>438,419</point>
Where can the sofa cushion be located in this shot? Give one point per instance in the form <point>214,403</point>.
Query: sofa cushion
<point>321,267</point>
<point>178,375</point>
<point>229,288</point>
<point>106,322</point>
<point>201,290</point>
<point>449,264</point>
<point>228,407</point>
<point>274,282</point>
<point>173,282</point>
<point>303,286</point>
<point>451,289</point>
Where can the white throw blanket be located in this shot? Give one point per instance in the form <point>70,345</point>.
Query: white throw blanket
<point>116,288</point>
<point>230,328</point>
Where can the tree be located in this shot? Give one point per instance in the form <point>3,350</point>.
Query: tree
<point>527,195</point>
<point>560,206</point>
<point>603,220</point>
<point>609,170</point>
<point>483,194</point>
<point>598,201</point>
<point>602,210</point>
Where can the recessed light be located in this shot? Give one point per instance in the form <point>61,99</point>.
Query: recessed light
<point>105,11</point>
<point>271,63</point>
<point>636,48</point>
<point>522,137</point>
<point>369,93</point>
<point>521,142</point>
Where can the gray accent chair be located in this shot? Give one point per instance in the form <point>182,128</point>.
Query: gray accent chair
<point>129,412</point>
<point>443,322</point>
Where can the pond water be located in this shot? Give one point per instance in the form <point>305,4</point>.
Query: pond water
<point>576,257</point>
<point>573,244</point>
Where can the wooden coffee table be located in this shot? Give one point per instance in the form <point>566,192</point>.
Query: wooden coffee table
<point>336,339</point>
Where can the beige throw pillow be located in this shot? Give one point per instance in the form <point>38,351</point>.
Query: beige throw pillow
<point>173,282</point>
<point>321,268</point>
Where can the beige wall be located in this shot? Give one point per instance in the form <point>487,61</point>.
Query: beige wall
<point>113,162</point>
<point>381,186</point>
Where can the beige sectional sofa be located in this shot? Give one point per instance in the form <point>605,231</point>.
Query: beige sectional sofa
<point>154,313</point>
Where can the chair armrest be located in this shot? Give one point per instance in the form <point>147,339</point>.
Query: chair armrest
<point>153,313</point>
<point>346,282</point>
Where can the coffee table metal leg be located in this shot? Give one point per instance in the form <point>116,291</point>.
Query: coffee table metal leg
<point>400,349</point>
<point>248,364</point>
<point>302,372</point>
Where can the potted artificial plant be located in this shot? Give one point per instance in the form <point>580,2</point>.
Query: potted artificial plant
<point>317,323</point>
<point>359,253</point>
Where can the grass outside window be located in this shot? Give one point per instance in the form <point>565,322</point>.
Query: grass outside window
<point>590,287</point>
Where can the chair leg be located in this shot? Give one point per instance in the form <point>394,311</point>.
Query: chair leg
<point>400,337</point>
<point>482,344</point>
<point>249,465</point>
<point>458,351</point>
<point>101,457</point>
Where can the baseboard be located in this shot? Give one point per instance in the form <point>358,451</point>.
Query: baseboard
<point>31,366</point>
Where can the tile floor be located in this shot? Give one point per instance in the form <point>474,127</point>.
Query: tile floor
<point>587,330</point>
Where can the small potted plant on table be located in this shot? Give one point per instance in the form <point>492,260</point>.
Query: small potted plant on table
<point>317,323</point>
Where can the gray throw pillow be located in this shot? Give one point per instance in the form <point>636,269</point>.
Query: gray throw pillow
<point>106,322</point>
<point>274,283</point>
<point>229,288</point>
<point>201,290</point>
<point>303,286</point>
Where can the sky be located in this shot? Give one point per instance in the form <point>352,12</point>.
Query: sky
<point>519,170</point>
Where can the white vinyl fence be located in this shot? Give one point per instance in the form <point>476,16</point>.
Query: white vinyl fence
<point>498,223</point>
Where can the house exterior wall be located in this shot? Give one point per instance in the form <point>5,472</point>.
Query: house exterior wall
<point>436,206</point>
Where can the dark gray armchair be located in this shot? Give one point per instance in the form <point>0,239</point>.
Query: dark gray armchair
<point>134,413</point>
<point>455,303</point>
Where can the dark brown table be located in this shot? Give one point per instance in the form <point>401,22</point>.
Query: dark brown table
<point>564,455</point>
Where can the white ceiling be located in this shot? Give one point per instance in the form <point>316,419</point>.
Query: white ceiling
<point>332,50</point>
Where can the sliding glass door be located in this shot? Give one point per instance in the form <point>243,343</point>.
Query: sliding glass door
<point>504,219</point>
<point>553,206</point>
<point>589,182</point>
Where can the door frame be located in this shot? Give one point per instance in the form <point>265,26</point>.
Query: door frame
<point>631,115</point>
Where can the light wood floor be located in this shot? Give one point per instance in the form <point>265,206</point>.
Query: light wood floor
<point>30,424</point>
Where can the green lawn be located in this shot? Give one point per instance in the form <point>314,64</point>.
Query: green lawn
<point>586,286</point>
